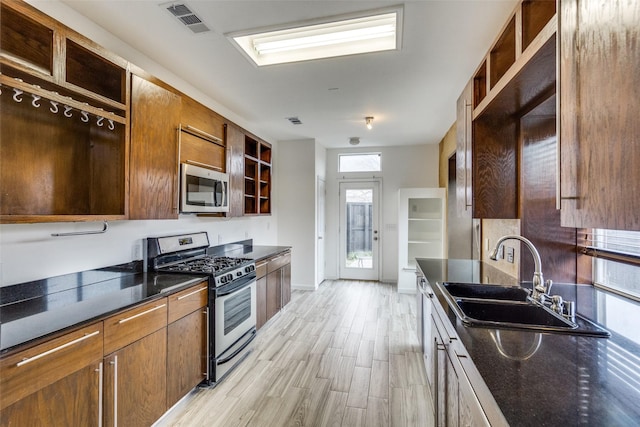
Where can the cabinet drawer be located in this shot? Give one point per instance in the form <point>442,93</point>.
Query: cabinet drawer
<point>200,152</point>
<point>261,269</point>
<point>30,370</point>
<point>188,301</point>
<point>278,262</point>
<point>128,326</point>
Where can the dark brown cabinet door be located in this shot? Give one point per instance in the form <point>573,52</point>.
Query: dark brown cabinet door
<point>261,302</point>
<point>186,354</point>
<point>70,401</point>
<point>235,168</point>
<point>274,293</point>
<point>286,284</point>
<point>135,382</point>
<point>153,167</point>
<point>599,104</point>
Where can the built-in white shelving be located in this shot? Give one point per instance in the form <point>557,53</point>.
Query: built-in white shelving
<point>421,230</point>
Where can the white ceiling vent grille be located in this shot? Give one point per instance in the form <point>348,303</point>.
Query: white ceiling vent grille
<point>185,15</point>
<point>294,120</point>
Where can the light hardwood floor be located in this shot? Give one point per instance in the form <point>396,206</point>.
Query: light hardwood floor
<point>344,355</point>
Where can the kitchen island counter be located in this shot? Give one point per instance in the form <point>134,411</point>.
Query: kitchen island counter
<point>550,379</point>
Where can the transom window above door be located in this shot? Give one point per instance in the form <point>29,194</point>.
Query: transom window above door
<point>359,162</point>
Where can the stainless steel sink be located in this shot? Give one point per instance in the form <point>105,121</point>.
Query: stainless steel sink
<point>494,292</point>
<point>498,306</point>
<point>511,314</point>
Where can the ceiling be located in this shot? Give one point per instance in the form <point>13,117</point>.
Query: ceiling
<point>411,92</point>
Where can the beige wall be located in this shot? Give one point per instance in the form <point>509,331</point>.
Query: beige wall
<point>447,148</point>
<point>492,230</point>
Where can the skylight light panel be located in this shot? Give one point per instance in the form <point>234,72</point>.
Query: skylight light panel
<point>339,37</point>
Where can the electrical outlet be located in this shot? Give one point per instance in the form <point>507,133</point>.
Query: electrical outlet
<point>511,253</point>
<point>136,253</point>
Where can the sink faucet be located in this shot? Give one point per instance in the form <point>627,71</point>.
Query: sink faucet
<point>540,288</point>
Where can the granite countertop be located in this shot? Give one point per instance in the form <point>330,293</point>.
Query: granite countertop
<point>244,250</point>
<point>568,380</point>
<point>33,310</point>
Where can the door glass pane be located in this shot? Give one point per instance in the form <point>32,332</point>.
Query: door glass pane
<point>359,209</point>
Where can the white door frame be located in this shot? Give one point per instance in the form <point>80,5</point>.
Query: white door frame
<point>321,230</point>
<point>360,274</point>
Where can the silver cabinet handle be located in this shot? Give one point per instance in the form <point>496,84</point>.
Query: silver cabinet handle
<point>204,165</point>
<point>100,396</point>
<point>53,350</point>
<point>140,314</point>
<point>114,363</point>
<point>206,313</point>
<point>203,134</point>
<point>192,293</point>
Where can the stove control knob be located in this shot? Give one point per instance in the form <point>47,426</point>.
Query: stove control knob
<point>223,279</point>
<point>229,277</point>
<point>239,273</point>
<point>249,268</point>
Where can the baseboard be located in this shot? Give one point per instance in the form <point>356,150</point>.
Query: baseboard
<point>303,287</point>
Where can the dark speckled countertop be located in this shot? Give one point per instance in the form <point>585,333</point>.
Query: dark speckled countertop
<point>569,380</point>
<point>33,310</point>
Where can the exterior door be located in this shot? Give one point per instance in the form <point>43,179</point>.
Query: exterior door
<point>359,235</point>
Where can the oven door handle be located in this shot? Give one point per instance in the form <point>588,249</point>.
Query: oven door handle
<point>235,285</point>
<point>242,347</point>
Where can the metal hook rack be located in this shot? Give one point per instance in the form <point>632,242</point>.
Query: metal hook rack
<point>58,101</point>
<point>105,227</point>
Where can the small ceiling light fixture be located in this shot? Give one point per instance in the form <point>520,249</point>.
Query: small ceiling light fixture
<point>371,31</point>
<point>354,140</point>
<point>369,121</point>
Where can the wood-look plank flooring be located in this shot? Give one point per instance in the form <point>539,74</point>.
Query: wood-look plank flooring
<point>344,355</point>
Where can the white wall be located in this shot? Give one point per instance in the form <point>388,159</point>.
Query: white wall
<point>29,252</point>
<point>402,167</point>
<point>296,170</point>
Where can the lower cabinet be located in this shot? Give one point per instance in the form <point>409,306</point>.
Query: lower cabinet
<point>454,398</point>
<point>273,286</point>
<point>56,383</point>
<point>126,370</point>
<point>135,342</point>
<point>261,294</point>
<point>187,349</point>
<point>135,382</point>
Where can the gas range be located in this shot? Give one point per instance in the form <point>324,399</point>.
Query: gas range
<point>231,309</point>
<point>188,254</point>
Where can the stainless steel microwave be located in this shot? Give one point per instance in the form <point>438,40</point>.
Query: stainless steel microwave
<point>203,190</point>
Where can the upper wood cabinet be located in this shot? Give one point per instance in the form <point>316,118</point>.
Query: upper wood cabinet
<point>250,168</point>
<point>257,176</point>
<point>200,119</point>
<point>235,168</point>
<point>155,123</point>
<point>202,140</point>
<point>599,111</point>
<point>65,122</point>
<point>517,73</point>
<point>464,167</point>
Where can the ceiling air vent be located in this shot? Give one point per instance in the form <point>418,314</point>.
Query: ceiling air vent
<point>294,120</point>
<point>185,15</point>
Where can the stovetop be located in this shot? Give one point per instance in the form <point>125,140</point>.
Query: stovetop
<point>187,253</point>
<point>208,265</point>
